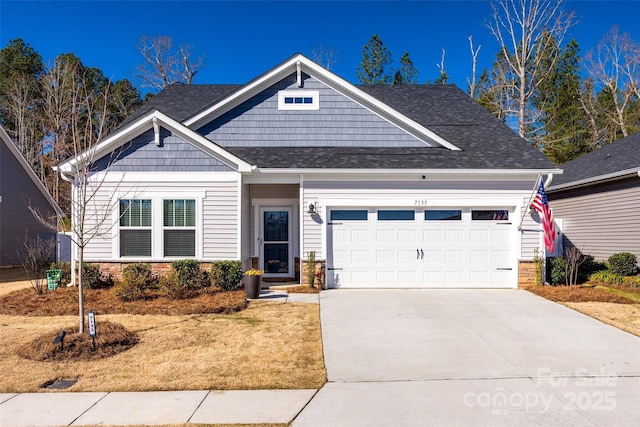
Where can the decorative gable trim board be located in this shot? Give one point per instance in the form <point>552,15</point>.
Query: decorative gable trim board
<point>300,62</point>
<point>6,139</point>
<point>153,120</point>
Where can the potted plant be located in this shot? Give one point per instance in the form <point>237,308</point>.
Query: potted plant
<point>253,283</point>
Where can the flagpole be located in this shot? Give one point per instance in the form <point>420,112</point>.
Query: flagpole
<point>531,196</point>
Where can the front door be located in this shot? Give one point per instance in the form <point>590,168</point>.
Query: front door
<point>276,257</point>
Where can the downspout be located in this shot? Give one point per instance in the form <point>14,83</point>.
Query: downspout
<point>74,245</point>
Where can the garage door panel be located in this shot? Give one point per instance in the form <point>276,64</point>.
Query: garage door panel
<point>407,277</point>
<point>385,235</point>
<point>453,256</point>
<point>407,236</point>
<point>432,236</point>
<point>454,278</point>
<point>385,277</point>
<point>478,236</point>
<point>433,256</point>
<point>385,256</point>
<point>360,235</point>
<point>478,256</point>
<point>454,236</point>
<point>360,256</point>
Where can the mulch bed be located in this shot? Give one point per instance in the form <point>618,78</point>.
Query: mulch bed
<point>64,302</point>
<point>578,294</point>
<point>111,339</point>
<point>300,289</point>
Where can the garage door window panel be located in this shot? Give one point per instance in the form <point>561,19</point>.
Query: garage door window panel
<point>490,215</point>
<point>443,215</point>
<point>349,215</point>
<point>396,215</point>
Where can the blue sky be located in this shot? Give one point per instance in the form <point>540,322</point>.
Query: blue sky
<point>242,39</point>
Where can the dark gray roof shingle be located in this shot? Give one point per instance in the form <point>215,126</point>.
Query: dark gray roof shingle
<point>621,155</point>
<point>486,143</point>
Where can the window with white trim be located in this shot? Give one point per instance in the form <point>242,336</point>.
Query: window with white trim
<point>135,227</point>
<point>179,227</point>
<point>298,100</point>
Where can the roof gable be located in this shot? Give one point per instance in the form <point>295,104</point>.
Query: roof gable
<point>617,159</point>
<point>153,120</point>
<point>299,64</point>
<point>336,121</point>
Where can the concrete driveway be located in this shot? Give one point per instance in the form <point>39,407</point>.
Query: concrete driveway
<point>470,357</point>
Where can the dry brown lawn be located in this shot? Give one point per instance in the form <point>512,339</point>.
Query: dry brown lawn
<point>615,306</point>
<point>267,346</point>
<point>622,316</point>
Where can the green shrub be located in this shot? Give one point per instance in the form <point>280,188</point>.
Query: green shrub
<point>589,267</point>
<point>623,263</point>
<point>226,274</point>
<point>606,277</point>
<point>558,270</point>
<point>136,278</point>
<point>631,281</point>
<point>169,286</point>
<point>188,274</point>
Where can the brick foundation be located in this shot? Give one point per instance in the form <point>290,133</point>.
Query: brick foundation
<point>526,273</point>
<point>319,273</point>
<point>159,268</point>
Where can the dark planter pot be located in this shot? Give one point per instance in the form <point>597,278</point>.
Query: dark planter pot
<point>252,285</point>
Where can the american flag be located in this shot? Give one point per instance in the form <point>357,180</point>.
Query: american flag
<point>541,204</point>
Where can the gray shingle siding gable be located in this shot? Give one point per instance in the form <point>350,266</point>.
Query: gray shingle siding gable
<point>173,155</point>
<point>339,122</point>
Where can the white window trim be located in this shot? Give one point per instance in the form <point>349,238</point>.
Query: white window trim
<point>314,94</point>
<point>127,228</point>
<point>172,228</point>
<point>157,225</point>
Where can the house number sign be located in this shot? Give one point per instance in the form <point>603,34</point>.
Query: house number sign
<point>421,202</point>
<point>92,324</point>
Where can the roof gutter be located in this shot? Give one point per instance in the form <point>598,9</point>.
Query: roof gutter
<point>523,172</point>
<point>587,181</point>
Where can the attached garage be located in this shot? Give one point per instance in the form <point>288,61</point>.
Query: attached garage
<point>423,248</point>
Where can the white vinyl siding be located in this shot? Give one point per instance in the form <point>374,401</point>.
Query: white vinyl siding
<point>216,196</point>
<point>220,221</point>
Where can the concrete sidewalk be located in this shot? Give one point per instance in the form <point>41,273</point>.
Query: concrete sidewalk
<point>152,408</point>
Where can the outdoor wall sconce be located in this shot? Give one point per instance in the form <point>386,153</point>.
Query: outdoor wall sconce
<point>312,209</point>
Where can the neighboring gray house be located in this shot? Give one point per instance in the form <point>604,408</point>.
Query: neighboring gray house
<point>20,189</point>
<point>598,199</point>
<point>390,186</point>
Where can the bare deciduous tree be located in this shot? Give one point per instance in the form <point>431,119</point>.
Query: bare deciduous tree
<point>90,210</point>
<point>474,61</point>
<point>324,57</point>
<point>21,94</point>
<point>35,259</point>
<point>164,65</point>
<point>615,66</point>
<point>524,28</point>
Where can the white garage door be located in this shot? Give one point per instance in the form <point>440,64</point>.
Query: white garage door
<point>420,248</point>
